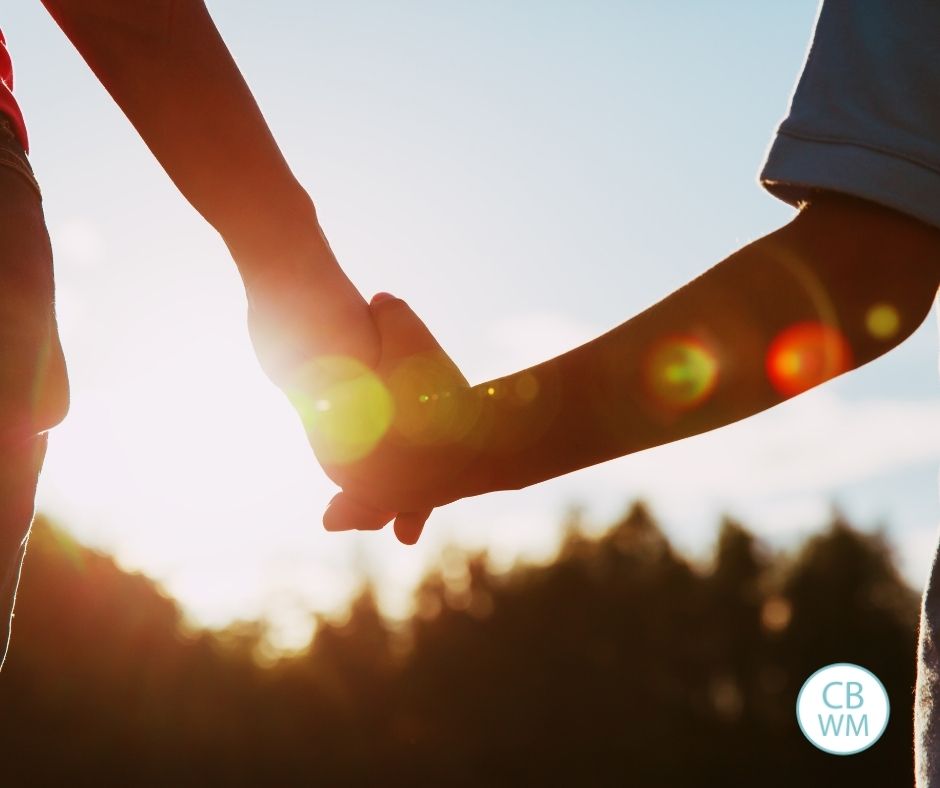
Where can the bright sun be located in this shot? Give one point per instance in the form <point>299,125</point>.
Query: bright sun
<point>181,459</point>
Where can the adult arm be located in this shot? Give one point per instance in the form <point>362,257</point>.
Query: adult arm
<point>167,67</point>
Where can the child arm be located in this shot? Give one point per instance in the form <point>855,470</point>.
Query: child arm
<point>841,284</point>
<point>844,282</point>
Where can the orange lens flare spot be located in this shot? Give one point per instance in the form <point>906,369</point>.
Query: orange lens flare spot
<point>882,321</point>
<point>806,355</point>
<point>680,372</point>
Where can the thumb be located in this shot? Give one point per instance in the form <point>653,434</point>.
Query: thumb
<point>402,333</point>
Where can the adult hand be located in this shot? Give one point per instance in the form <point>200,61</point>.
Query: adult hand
<point>302,305</point>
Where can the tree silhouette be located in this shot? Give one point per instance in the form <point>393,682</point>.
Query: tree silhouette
<point>619,663</point>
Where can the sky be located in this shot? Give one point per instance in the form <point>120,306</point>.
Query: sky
<point>526,175</point>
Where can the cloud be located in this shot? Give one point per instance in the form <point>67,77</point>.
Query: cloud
<point>523,340</point>
<point>811,444</point>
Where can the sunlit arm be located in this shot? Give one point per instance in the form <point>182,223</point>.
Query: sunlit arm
<point>166,66</point>
<point>841,284</point>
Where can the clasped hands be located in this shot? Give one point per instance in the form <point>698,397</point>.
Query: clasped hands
<point>389,416</point>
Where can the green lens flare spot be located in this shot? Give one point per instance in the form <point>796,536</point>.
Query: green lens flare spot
<point>681,372</point>
<point>345,408</point>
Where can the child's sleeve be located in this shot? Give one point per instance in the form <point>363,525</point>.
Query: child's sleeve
<point>865,116</point>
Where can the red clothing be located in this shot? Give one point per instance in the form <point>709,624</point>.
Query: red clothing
<point>8,105</point>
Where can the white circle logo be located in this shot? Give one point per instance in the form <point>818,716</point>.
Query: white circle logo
<point>843,708</point>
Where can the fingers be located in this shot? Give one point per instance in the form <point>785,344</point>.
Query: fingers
<point>347,514</point>
<point>409,525</point>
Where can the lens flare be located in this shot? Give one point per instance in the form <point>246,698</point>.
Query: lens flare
<point>344,406</point>
<point>882,321</point>
<point>429,406</point>
<point>806,355</point>
<point>527,387</point>
<point>681,372</point>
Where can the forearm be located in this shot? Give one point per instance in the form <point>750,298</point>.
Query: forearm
<point>166,66</point>
<point>618,395</point>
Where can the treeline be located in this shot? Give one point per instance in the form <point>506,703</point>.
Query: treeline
<point>621,663</point>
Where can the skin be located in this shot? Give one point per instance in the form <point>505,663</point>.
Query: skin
<point>831,264</point>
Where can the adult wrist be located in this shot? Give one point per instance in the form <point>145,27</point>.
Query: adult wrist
<point>278,239</point>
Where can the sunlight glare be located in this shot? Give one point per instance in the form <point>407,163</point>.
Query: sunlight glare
<point>345,407</point>
<point>181,459</point>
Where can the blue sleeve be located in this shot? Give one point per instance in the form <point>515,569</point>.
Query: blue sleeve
<point>865,116</point>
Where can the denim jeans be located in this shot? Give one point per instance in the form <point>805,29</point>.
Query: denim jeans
<point>13,157</point>
<point>33,381</point>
